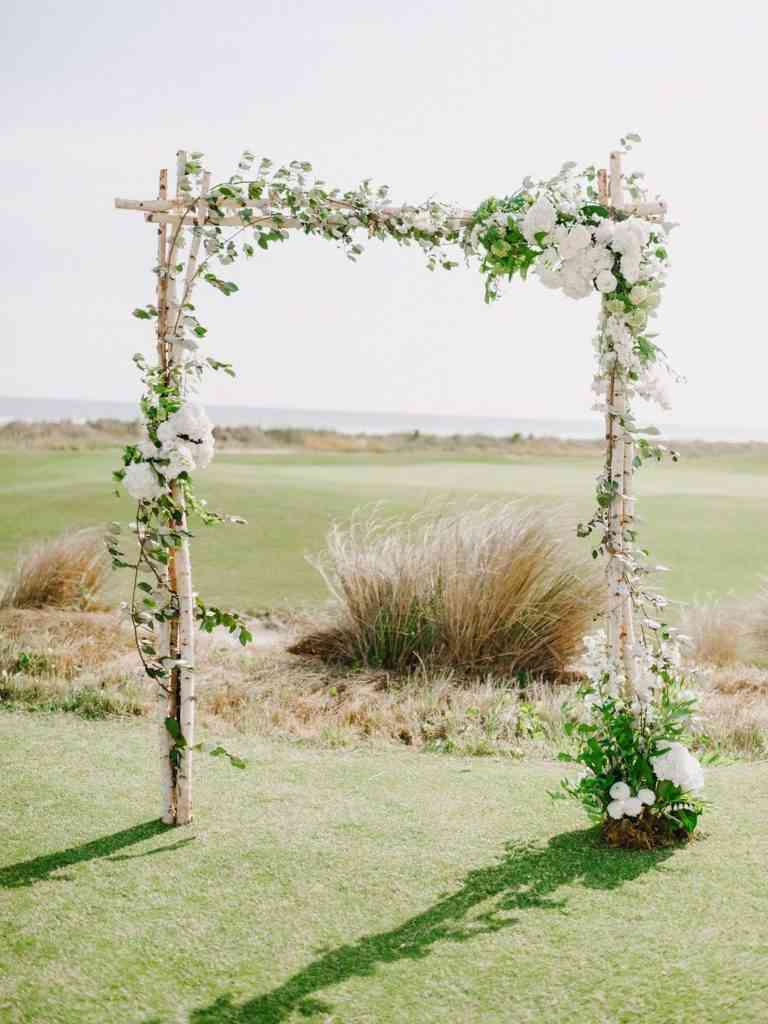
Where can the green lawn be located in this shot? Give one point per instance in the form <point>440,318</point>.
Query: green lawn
<point>359,888</point>
<point>703,517</point>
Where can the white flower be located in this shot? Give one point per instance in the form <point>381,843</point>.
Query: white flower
<point>550,278</point>
<point>676,764</point>
<point>423,222</point>
<point>646,796</point>
<point>606,282</point>
<point>148,449</point>
<point>204,453</point>
<point>577,238</point>
<point>638,294</point>
<point>604,233</point>
<point>541,216</point>
<point>633,806</point>
<point>190,423</point>
<point>657,387</point>
<point>616,809</point>
<point>180,460</point>
<point>620,791</point>
<point>629,236</point>
<point>630,268</point>
<point>141,482</point>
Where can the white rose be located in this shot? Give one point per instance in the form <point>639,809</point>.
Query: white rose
<point>579,237</point>
<point>630,268</point>
<point>646,796</point>
<point>638,294</point>
<point>604,233</point>
<point>620,791</point>
<point>633,806</point>
<point>541,216</point>
<point>141,482</point>
<point>616,809</point>
<point>606,282</point>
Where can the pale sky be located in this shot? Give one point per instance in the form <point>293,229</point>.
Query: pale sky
<point>446,99</point>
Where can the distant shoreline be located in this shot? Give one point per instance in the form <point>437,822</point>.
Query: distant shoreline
<point>78,411</point>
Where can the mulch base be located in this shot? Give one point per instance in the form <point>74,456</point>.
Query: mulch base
<point>648,832</point>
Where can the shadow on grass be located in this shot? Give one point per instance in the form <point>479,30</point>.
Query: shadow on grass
<point>526,876</point>
<point>41,869</point>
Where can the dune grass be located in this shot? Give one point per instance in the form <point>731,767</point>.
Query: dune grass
<point>703,517</point>
<point>490,588</point>
<point>355,887</point>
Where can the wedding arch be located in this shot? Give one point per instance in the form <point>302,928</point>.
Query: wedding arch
<point>578,232</point>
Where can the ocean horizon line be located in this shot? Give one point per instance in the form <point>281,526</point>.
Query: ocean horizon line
<point>362,422</point>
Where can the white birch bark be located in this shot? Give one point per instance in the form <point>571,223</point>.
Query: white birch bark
<point>165,741</point>
<point>183,565</point>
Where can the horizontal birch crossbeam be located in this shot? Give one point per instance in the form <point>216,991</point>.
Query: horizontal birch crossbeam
<point>175,211</point>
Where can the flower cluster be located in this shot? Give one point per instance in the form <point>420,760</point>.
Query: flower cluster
<point>622,801</point>
<point>171,448</point>
<point>677,765</point>
<point>634,762</point>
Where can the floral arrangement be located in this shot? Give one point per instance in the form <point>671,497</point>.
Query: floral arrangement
<point>561,230</point>
<point>638,779</point>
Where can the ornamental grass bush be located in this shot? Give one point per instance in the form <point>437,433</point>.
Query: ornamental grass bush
<point>489,589</point>
<point>68,571</point>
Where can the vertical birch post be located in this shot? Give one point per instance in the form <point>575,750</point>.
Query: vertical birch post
<point>165,702</point>
<point>183,562</point>
<point>619,463</point>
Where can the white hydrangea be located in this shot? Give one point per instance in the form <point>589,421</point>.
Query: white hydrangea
<point>633,807</point>
<point>190,422</point>
<point>676,764</point>
<point>646,796</point>
<point>540,216</point>
<point>180,460</point>
<point>141,482</point>
<point>620,791</point>
<point>616,809</point>
<point>191,426</point>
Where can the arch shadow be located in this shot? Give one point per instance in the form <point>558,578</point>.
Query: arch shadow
<point>41,869</point>
<point>526,876</point>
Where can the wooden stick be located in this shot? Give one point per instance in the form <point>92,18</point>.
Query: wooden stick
<point>628,614</point>
<point>602,187</point>
<point>157,212</point>
<point>167,780</point>
<point>187,699</point>
<point>616,188</point>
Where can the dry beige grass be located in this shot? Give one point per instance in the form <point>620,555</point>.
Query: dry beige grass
<point>720,633</point>
<point>488,589</point>
<point>84,663</point>
<point>67,572</point>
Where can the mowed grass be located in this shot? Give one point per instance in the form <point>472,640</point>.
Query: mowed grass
<point>703,517</point>
<point>358,888</point>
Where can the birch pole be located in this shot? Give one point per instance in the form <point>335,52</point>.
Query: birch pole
<point>183,561</point>
<point>620,612</point>
<point>165,702</point>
